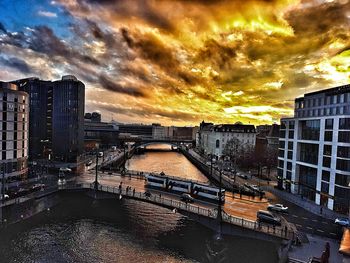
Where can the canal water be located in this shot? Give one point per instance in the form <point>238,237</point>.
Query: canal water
<point>83,230</point>
<point>171,163</point>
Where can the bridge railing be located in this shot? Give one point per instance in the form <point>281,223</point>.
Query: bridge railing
<point>175,204</point>
<point>141,173</point>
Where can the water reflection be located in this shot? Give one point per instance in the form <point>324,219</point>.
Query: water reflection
<point>121,231</point>
<point>171,163</point>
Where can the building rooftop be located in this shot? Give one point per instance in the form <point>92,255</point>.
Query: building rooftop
<point>328,92</point>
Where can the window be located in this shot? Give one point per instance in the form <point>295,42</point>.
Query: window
<point>291,135</point>
<point>343,165</point>
<point>282,133</point>
<point>281,163</point>
<point>342,179</point>
<point>288,175</point>
<point>291,125</point>
<point>283,125</point>
<point>325,176</point>
<point>344,124</point>
<point>217,143</point>
<point>324,187</point>
<point>310,130</point>
<point>327,162</point>
<point>329,124</point>
<point>327,150</point>
<point>290,155</point>
<point>343,152</point>
<point>328,136</point>
<point>344,136</point>
<point>289,166</point>
<point>281,153</point>
<point>279,172</point>
<point>290,145</point>
<point>281,144</point>
<point>308,153</point>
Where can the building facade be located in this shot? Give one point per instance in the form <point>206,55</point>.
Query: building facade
<point>14,134</point>
<point>213,138</point>
<point>40,115</point>
<point>314,148</point>
<point>56,129</point>
<point>68,119</point>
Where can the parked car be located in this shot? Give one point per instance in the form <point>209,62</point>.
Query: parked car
<point>21,192</point>
<point>147,193</point>
<point>267,217</point>
<point>4,197</point>
<point>278,208</point>
<point>37,187</point>
<point>342,222</point>
<point>244,176</point>
<point>187,198</point>
<point>65,169</point>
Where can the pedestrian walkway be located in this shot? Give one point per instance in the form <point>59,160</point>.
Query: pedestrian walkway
<point>304,203</point>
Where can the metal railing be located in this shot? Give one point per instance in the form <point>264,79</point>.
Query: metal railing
<point>277,231</point>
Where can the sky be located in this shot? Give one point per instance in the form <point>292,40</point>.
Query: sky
<point>178,62</point>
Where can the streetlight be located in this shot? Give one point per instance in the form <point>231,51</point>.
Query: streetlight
<point>96,168</point>
<point>3,184</point>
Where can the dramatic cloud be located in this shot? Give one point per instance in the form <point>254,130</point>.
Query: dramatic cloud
<point>179,61</point>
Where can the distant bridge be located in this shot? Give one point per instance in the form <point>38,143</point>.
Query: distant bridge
<point>172,142</point>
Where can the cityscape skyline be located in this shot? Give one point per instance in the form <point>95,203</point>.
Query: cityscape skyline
<point>181,62</point>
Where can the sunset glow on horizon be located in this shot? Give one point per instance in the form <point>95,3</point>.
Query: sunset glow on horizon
<point>179,62</point>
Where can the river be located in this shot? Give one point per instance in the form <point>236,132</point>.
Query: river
<point>83,230</point>
<point>171,163</point>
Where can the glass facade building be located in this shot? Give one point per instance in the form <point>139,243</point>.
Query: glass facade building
<point>56,118</point>
<point>314,148</point>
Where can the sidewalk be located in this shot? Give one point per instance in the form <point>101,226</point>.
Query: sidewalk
<point>304,203</point>
<point>315,248</point>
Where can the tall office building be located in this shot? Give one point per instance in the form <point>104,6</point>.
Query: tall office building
<point>68,119</point>
<point>13,134</point>
<point>56,118</point>
<point>314,148</point>
<point>40,115</point>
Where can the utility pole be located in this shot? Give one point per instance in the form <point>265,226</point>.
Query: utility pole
<point>219,217</point>
<point>124,162</point>
<point>96,170</point>
<point>3,184</point>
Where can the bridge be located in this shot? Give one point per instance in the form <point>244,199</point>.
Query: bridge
<point>172,142</point>
<point>238,213</point>
<point>208,216</point>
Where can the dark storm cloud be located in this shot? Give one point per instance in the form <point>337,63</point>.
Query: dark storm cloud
<point>126,9</point>
<point>150,48</point>
<point>43,40</point>
<point>148,112</point>
<point>16,63</point>
<point>119,88</point>
<point>310,21</point>
<point>109,38</point>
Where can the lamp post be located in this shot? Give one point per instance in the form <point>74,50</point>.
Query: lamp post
<point>3,184</point>
<point>44,157</point>
<point>96,169</point>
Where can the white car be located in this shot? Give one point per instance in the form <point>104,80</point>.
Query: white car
<point>65,169</point>
<point>278,208</point>
<point>255,188</point>
<point>342,222</point>
<point>5,197</point>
